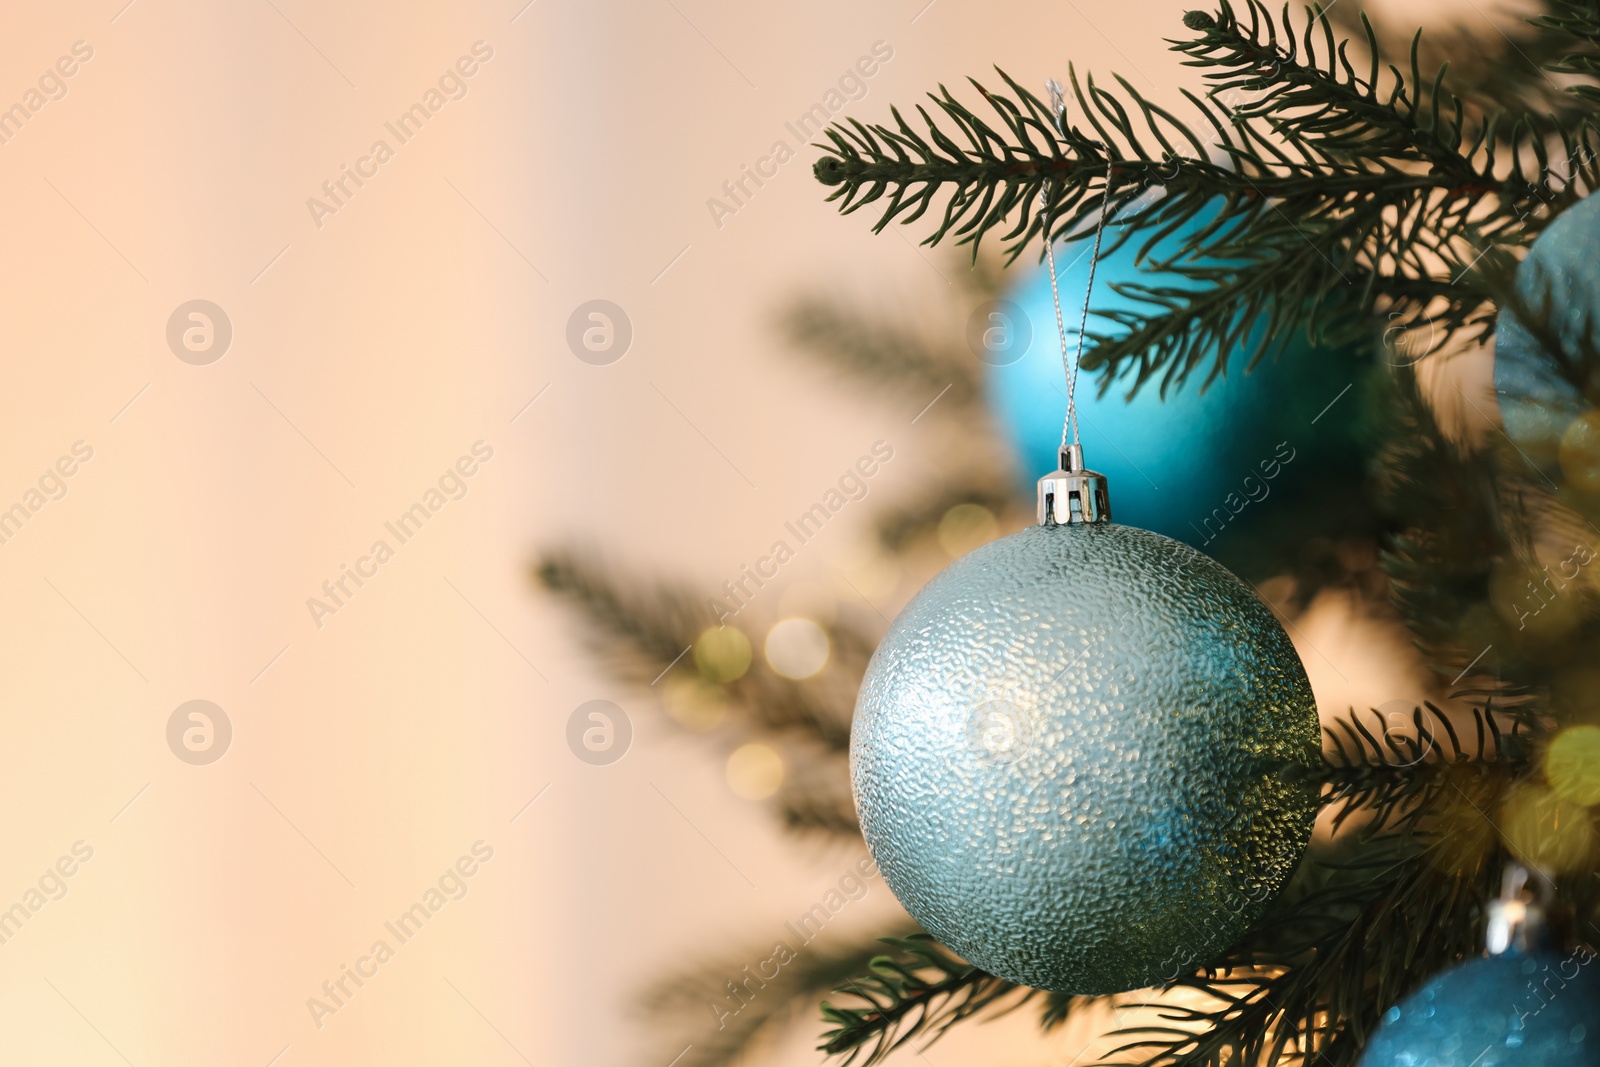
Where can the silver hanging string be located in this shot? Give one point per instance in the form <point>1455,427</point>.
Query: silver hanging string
<point>1069,425</point>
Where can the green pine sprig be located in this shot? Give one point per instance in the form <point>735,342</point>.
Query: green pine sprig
<point>1390,774</point>
<point>917,992</point>
<point>1572,28</point>
<point>645,633</point>
<point>1327,193</point>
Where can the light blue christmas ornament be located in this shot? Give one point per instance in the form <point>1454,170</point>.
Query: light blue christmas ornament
<point>1514,1010</point>
<point>1200,463</point>
<point>1524,1005</point>
<point>1083,756</point>
<point>1560,278</point>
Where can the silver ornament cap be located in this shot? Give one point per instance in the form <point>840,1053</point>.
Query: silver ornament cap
<point>1073,494</point>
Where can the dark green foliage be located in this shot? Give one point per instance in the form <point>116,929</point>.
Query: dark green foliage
<point>1390,776</point>
<point>1452,530</point>
<point>1333,193</point>
<point>1497,69</point>
<point>918,991</point>
<point>1572,30</point>
<point>1302,982</point>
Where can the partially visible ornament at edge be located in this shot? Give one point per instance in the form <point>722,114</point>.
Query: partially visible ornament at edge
<point>1524,1005</point>
<point>1559,280</point>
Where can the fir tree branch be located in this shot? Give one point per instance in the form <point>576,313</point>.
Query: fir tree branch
<point>918,992</point>
<point>864,346</point>
<point>1392,779</point>
<point>658,622</point>
<point>901,527</point>
<point>1574,24</point>
<point>1498,69</point>
<point>1347,939</point>
<point>1447,500</point>
<point>1465,566</point>
<point>1327,965</point>
<point>1338,190</point>
<point>643,630</point>
<point>751,1012</point>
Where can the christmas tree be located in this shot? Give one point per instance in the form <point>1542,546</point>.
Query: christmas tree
<point>1327,183</point>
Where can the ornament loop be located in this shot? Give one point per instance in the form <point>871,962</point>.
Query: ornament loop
<point>1073,494</point>
<point>1058,107</point>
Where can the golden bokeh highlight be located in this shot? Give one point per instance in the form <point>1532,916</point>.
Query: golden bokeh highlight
<point>796,648</point>
<point>722,654</point>
<point>1538,603</point>
<point>754,771</point>
<point>1572,765</point>
<point>965,527</point>
<point>693,703</point>
<point>1579,453</point>
<point>1546,830</point>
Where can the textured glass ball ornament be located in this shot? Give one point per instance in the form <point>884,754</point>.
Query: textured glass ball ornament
<point>1561,277</point>
<point>1525,1006</point>
<point>1080,754</point>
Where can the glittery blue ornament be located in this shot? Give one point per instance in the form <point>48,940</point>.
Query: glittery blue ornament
<point>1200,463</point>
<point>1080,755</point>
<point>1560,279</point>
<point>1536,1009</point>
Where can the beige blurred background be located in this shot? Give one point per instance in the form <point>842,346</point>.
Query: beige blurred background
<point>372,347</point>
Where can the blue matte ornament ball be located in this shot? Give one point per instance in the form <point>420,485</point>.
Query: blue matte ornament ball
<point>1561,277</point>
<point>1201,463</point>
<point>1516,1010</point>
